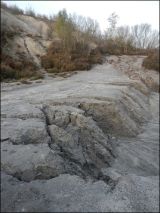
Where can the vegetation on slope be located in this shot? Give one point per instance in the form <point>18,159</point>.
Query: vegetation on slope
<point>16,69</point>
<point>74,49</point>
<point>138,39</point>
<point>152,60</point>
<point>12,67</point>
<point>78,43</point>
<point>28,12</point>
<point>76,34</point>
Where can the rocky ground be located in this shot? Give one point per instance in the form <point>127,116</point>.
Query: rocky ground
<point>84,143</point>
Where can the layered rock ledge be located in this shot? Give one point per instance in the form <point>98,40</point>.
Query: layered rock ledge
<point>84,143</point>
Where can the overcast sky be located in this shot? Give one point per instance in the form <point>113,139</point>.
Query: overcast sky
<point>129,12</point>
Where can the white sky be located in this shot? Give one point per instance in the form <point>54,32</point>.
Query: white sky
<point>129,12</point>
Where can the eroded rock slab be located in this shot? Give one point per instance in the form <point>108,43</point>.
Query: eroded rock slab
<point>78,137</point>
<point>89,135</point>
<point>75,145</point>
<point>29,162</point>
<point>29,131</point>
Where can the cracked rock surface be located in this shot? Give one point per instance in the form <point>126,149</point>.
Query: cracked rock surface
<point>68,193</point>
<point>82,144</point>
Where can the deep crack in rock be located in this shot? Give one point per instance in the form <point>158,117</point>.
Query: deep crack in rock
<point>69,132</point>
<point>72,144</point>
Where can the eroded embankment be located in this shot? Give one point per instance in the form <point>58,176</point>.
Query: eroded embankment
<point>72,136</point>
<point>92,126</point>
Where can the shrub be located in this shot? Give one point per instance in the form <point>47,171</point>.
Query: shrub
<point>16,69</point>
<point>58,60</point>
<point>152,60</point>
<point>7,72</point>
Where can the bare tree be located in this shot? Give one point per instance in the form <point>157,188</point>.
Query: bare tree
<point>86,27</point>
<point>144,36</point>
<point>30,12</point>
<point>113,18</point>
<point>153,41</point>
